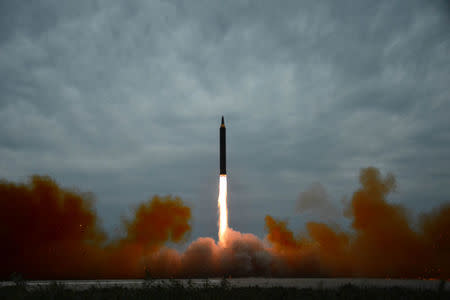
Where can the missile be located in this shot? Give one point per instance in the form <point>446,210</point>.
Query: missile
<point>223,155</point>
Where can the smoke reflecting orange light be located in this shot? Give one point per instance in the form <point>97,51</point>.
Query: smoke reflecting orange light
<point>384,240</point>
<point>223,209</point>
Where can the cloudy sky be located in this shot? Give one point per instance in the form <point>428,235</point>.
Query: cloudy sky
<point>124,99</point>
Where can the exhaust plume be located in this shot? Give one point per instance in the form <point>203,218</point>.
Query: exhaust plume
<point>156,222</point>
<point>223,209</point>
<point>383,244</point>
<point>50,232</point>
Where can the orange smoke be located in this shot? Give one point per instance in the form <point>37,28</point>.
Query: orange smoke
<point>161,220</point>
<point>44,228</point>
<point>50,232</point>
<point>280,236</point>
<point>384,243</point>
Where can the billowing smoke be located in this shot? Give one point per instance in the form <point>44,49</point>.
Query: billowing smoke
<point>51,232</point>
<point>242,255</point>
<point>383,242</point>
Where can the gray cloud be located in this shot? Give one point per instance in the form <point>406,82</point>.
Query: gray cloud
<point>315,200</point>
<point>124,99</point>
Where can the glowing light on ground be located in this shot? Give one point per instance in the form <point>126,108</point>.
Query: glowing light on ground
<point>223,209</point>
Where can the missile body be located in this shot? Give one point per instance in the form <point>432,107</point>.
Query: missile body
<point>223,155</point>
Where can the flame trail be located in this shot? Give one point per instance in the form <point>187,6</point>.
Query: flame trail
<point>223,210</point>
<point>383,242</point>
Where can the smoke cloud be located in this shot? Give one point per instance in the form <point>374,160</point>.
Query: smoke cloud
<point>382,244</point>
<point>50,232</point>
<point>316,201</point>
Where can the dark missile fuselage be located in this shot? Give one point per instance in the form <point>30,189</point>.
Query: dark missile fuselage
<point>223,155</point>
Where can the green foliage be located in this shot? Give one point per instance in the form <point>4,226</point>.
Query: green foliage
<point>174,289</point>
<point>18,279</point>
<point>225,284</point>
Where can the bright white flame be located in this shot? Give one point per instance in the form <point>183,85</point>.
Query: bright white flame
<point>223,210</point>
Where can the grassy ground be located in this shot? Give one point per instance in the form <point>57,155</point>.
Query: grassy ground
<point>175,290</point>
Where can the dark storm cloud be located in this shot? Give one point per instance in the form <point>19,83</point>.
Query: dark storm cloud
<point>124,99</point>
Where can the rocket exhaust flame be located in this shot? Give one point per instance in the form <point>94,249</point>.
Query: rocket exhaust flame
<point>383,243</point>
<point>223,209</point>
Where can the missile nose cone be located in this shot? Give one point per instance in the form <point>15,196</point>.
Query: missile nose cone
<point>223,122</point>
